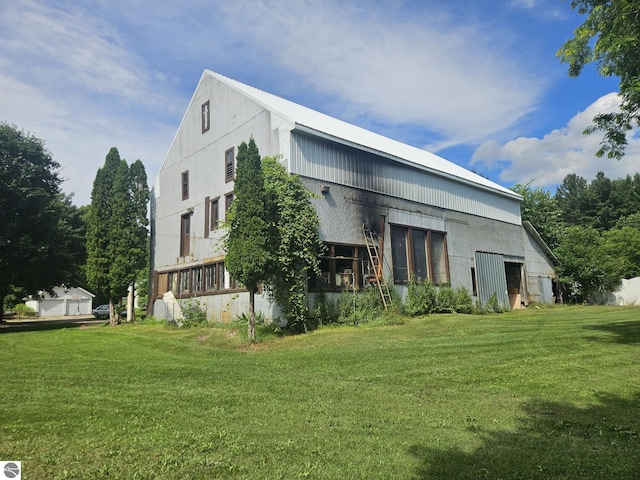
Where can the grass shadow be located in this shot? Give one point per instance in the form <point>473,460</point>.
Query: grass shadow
<point>621,332</point>
<point>11,327</point>
<point>553,441</point>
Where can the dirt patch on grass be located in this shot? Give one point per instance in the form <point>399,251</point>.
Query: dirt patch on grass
<point>204,338</point>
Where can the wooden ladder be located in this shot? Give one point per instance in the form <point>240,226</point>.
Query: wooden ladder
<point>375,258</point>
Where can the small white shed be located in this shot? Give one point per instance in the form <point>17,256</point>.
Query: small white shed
<point>66,301</point>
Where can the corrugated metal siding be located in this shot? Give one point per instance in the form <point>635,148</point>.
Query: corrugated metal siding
<point>545,289</point>
<point>332,162</point>
<point>491,278</point>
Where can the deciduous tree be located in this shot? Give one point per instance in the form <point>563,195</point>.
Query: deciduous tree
<point>610,37</point>
<point>541,209</point>
<point>581,267</point>
<point>297,240</point>
<point>40,243</point>
<point>621,251</point>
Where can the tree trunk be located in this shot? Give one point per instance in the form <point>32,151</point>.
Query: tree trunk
<point>113,315</point>
<point>2,295</point>
<point>130,309</point>
<point>252,316</point>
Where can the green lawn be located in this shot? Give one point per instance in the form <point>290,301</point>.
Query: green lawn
<point>537,394</point>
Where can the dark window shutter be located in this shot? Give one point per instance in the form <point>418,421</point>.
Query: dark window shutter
<point>207,204</point>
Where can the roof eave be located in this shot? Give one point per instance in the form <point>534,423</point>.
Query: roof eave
<point>540,241</point>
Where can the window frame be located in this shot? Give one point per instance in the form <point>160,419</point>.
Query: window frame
<point>228,200</point>
<point>214,214</point>
<point>229,165</point>
<point>184,281</point>
<point>437,276</point>
<point>339,264</point>
<point>205,116</point>
<point>185,235</point>
<point>184,177</point>
<point>197,281</point>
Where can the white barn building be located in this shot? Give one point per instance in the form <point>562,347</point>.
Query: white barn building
<point>433,219</point>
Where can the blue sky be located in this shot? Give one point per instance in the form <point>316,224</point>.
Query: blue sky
<point>478,83</point>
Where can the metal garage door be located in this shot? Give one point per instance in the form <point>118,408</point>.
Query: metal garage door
<point>52,307</point>
<point>491,278</point>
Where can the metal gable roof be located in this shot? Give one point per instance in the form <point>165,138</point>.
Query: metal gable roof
<point>307,119</point>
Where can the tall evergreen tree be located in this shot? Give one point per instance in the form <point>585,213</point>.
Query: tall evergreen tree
<point>116,228</point>
<point>139,225</point>
<point>273,234</point>
<point>600,209</point>
<point>571,199</point>
<point>248,244</point>
<point>624,198</point>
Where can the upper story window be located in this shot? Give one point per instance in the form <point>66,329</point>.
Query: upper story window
<point>228,200</point>
<point>206,117</point>
<point>211,215</point>
<point>185,185</point>
<point>215,214</point>
<point>185,234</point>
<point>228,165</point>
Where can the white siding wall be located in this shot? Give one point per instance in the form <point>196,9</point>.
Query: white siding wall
<point>234,119</point>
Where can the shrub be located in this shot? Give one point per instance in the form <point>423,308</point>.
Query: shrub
<point>463,301</point>
<point>193,313</point>
<point>22,310</point>
<point>357,308</point>
<point>445,300</point>
<point>325,311</point>
<point>492,305</point>
<point>266,328</point>
<point>261,319</point>
<point>421,298</point>
<point>424,298</point>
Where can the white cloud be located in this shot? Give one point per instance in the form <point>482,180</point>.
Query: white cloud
<point>527,4</point>
<point>80,138</point>
<point>423,68</point>
<point>120,74</point>
<point>549,159</point>
<point>70,48</point>
<point>72,82</point>
<point>542,8</point>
